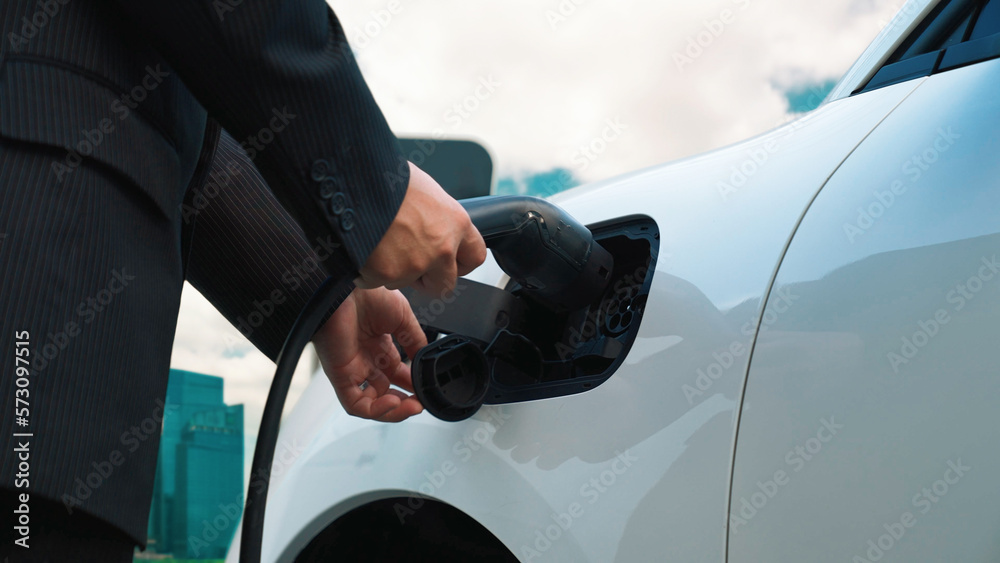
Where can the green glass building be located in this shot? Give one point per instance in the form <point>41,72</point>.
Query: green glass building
<point>198,492</point>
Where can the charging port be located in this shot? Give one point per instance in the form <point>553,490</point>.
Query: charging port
<point>514,344</point>
<point>582,348</point>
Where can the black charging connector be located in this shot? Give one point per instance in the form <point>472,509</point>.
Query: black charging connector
<point>450,377</point>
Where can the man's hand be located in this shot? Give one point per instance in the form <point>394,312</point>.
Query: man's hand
<point>356,350</point>
<point>428,245</point>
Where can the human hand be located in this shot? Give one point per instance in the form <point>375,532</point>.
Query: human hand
<point>356,351</point>
<point>428,245</point>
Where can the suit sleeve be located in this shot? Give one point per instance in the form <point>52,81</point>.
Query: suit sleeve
<point>280,76</point>
<point>246,254</point>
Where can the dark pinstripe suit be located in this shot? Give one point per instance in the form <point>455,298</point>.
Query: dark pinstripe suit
<point>108,201</point>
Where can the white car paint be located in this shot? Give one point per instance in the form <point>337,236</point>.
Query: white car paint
<point>893,339</point>
<point>666,432</point>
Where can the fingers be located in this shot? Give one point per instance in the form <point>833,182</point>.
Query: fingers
<point>404,281</point>
<point>378,401</point>
<point>440,279</point>
<point>368,282</point>
<point>408,333</point>
<point>373,407</point>
<point>430,242</point>
<point>370,278</point>
<point>471,252</point>
<point>379,365</point>
<point>408,406</point>
<point>392,406</point>
<point>387,314</point>
<point>401,377</point>
<point>356,346</point>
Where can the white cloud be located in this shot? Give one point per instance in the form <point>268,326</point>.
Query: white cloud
<point>607,59</point>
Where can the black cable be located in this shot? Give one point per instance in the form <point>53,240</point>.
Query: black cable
<point>314,313</point>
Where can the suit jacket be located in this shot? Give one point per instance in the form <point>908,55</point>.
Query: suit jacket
<point>97,94</point>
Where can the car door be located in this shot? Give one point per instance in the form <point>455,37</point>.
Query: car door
<point>868,428</point>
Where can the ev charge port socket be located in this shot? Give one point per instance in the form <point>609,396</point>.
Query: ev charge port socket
<point>562,324</point>
<point>451,377</point>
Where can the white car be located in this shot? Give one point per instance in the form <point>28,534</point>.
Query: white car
<point>812,372</point>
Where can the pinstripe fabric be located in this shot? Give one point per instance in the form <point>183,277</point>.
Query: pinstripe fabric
<point>65,101</point>
<point>247,255</point>
<point>69,245</point>
<point>247,61</point>
<point>94,273</point>
<point>88,64</point>
<point>102,129</point>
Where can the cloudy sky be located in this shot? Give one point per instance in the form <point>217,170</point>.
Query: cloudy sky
<point>535,81</point>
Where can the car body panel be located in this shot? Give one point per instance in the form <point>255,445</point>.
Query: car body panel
<point>885,371</point>
<point>659,433</point>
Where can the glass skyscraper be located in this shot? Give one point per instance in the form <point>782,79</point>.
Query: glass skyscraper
<point>198,492</point>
